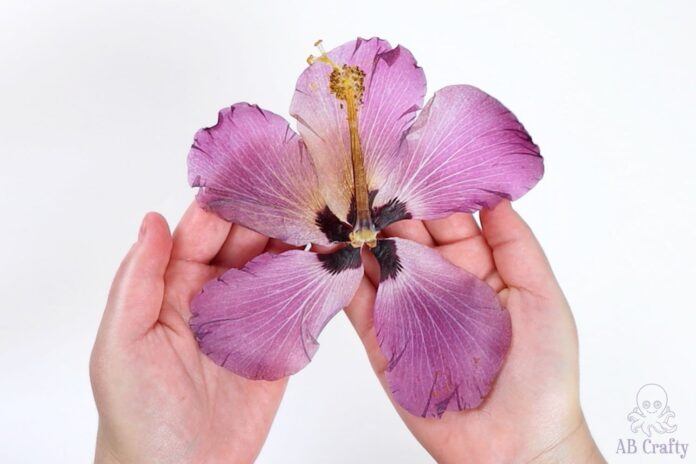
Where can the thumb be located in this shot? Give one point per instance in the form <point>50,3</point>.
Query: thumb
<point>137,291</point>
<point>518,256</point>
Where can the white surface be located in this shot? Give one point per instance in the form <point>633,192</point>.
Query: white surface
<point>99,102</point>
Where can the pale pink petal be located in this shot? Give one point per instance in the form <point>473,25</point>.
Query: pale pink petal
<point>442,330</point>
<point>394,91</point>
<point>262,322</point>
<point>466,151</point>
<point>253,170</point>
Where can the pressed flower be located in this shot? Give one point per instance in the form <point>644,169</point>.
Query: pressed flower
<point>365,159</point>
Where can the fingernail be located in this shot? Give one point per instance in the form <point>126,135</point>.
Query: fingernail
<point>143,229</point>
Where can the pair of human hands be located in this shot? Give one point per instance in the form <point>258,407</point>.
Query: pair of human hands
<point>160,399</point>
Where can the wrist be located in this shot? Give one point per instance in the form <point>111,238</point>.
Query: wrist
<point>578,446</point>
<point>103,453</point>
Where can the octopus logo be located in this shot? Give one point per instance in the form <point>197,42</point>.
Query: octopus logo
<point>651,414</point>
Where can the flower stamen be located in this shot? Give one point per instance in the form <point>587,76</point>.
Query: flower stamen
<point>323,57</point>
<point>347,84</point>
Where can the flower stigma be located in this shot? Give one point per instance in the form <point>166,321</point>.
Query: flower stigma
<point>347,84</point>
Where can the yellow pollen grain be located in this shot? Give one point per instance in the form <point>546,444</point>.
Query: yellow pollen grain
<point>347,83</point>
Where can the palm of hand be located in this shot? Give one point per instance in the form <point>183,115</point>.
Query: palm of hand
<point>534,403</point>
<point>161,399</point>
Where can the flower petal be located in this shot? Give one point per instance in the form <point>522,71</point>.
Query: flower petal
<point>394,91</point>
<point>262,322</point>
<point>466,151</point>
<point>253,170</point>
<point>442,330</point>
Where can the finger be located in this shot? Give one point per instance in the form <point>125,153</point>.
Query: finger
<point>473,255</point>
<point>199,235</point>
<point>277,247</point>
<point>452,229</point>
<point>412,230</point>
<point>459,240</point>
<point>518,256</point>
<point>360,314</point>
<point>136,294</point>
<point>240,246</point>
<point>371,266</point>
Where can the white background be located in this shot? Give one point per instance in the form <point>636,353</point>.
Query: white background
<point>99,102</point>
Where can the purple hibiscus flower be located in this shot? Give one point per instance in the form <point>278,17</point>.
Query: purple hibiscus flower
<point>365,159</point>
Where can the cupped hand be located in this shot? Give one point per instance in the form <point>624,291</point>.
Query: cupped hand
<point>160,399</point>
<point>533,412</point>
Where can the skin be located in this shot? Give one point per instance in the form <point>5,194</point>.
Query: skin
<point>161,400</point>
<point>532,413</point>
